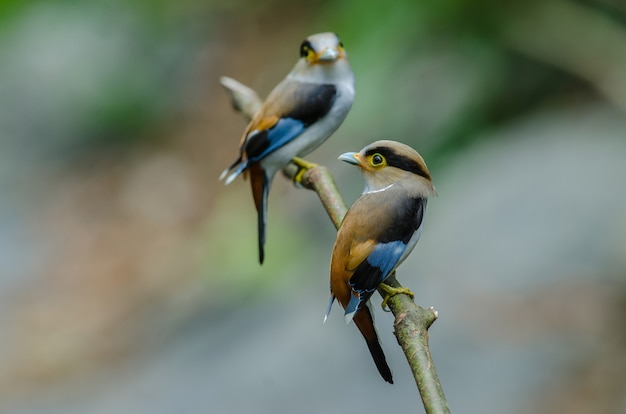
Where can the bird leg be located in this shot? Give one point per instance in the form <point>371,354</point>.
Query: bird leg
<point>303,166</point>
<point>391,291</point>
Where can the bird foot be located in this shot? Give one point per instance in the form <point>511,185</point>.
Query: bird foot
<point>391,291</point>
<point>303,166</point>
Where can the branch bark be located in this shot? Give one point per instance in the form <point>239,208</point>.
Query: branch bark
<point>411,321</point>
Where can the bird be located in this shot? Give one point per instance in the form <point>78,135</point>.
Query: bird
<point>377,234</point>
<point>300,113</point>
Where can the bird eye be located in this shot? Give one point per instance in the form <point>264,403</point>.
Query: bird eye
<point>305,49</point>
<point>377,160</point>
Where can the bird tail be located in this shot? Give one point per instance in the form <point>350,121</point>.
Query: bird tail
<point>233,171</point>
<point>330,306</point>
<point>260,191</point>
<point>365,322</point>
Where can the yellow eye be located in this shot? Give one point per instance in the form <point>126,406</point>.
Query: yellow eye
<point>306,50</point>
<point>377,160</point>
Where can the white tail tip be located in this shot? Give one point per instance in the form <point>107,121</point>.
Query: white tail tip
<point>223,174</point>
<point>349,316</point>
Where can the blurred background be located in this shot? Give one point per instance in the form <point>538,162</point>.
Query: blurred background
<point>129,280</point>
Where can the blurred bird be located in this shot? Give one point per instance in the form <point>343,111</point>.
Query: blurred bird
<point>378,233</point>
<point>298,115</point>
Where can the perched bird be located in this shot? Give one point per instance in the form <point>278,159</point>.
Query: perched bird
<point>378,233</point>
<point>298,115</point>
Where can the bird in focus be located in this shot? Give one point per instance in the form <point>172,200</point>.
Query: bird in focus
<point>300,113</point>
<point>377,233</point>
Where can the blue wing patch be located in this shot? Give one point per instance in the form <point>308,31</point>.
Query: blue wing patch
<point>385,256</point>
<point>262,143</point>
<point>371,272</point>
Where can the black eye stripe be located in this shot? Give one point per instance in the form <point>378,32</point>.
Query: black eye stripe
<point>305,47</point>
<point>399,161</point>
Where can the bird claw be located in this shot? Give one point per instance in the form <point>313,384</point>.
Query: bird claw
<point>391,291</point>
<point>303,166</point>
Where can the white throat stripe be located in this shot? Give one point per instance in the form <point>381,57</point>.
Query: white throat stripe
<point>380,190</point>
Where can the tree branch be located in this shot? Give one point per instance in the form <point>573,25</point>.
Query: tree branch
<point>411,321</point>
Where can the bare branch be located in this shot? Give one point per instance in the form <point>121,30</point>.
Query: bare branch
<point>244,99</point>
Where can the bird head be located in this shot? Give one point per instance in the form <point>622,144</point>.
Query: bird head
<point>322,48</point>
<point>385,163</point>
<point>322,60</point>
